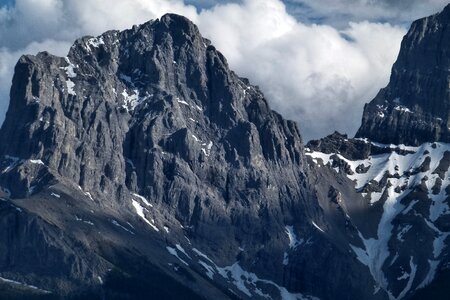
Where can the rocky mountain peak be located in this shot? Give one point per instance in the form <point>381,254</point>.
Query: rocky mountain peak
<point>150,127</point>
<point>160,80</point>
<point>414,107</point>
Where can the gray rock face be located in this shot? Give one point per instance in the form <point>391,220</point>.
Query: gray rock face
<point>148,132</point>
<point>414,108</point>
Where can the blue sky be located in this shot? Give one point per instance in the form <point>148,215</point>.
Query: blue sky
<point>6,2</point>
<point>343,11</point>
<point>317,61</point>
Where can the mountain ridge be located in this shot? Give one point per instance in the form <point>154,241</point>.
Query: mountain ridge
<point>140,164</point>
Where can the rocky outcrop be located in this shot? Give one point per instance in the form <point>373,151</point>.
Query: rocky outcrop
<point>414,107</point>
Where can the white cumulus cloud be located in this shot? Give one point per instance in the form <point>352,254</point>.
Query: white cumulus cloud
<point>314,74</point>
<point>317,75</point>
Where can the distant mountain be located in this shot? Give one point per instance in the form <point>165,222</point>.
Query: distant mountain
<point>141,167</point>
<point>405,221</point>
<point>414,107</point>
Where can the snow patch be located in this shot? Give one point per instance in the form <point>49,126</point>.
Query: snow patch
<point>402,232</point>
<point>408,286</point>
<point>402,108</point>
<point>131,100</point>
<point>178,246</point>
<point>14,162</point>
<point>361,255</point>
<point>199,253</point>
<point>315,225</point>
<point>37,162</point>
<point>70,69</point>
<point>140,212</point>
<point>294,242</point>
<point>182,102</point>
<point>206,148</point>
<point>70,87</point>
<point>209,270</point>
<point>13,282</point>
<point>95,42</point>
<point>247,282</point>
<point>83,221</point>
<point>89,196</point>
<point>174,252</point>
<point>143,199</point>
<point>114,222</point>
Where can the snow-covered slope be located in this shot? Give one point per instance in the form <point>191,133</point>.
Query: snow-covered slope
<point>405,190</point>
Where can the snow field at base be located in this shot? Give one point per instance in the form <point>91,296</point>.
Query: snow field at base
<point>408,175</point>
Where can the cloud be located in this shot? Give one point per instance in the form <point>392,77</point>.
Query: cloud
<point>314,74</point>
<point>201,4</point>
<point>317,75</point>
<point>340,12</point>
<point>64,20</point>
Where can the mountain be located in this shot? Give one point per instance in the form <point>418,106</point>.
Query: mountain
<point>399,164</point>
<point>405,218</point>
<point>413,108</point>
<point>140,166</point>
<point>141,158</point>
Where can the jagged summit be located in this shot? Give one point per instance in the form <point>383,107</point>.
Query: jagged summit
<point>112,88</point>
<point>415,106</point>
